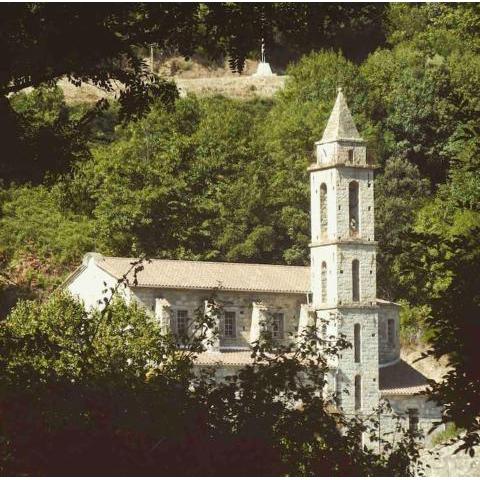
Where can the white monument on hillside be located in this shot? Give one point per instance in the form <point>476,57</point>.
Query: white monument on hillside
<point>263,69</point>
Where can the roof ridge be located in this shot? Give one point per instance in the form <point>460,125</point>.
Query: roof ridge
<point>209,262</point>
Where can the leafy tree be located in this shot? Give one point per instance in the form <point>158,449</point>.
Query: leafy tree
<point>399,192</point>
<point>47,139</point>
<point>108,393</point>
<point>443,268</point>
<point>200,194</point>
<point>39,242</point>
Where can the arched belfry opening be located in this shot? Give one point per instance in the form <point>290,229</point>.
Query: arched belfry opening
<point>323,211</point>
<point>324,282</point>
<point>356,280</point>
<point>353,208</point>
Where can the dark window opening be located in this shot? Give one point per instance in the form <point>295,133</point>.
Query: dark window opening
<point>357,342</point>
<point>358,392</point>
<point>182,322</point>
<point>277,325</point>
<point>230,325</point>
<point>323,211</point>
<point>413,420</point>
<point>353,208</point>
<point>356,280</point>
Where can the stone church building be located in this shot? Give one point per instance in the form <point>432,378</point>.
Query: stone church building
<point>340,284</point>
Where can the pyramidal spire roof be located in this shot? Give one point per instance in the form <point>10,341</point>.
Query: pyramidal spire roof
<point>340,125</point>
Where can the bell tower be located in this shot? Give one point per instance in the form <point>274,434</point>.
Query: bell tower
<point>343,264</point>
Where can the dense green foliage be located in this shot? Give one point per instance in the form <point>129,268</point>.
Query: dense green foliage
<point>218,179</point>
<point>110,394</point>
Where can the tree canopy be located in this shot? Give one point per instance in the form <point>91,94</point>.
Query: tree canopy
<point>110,393</point>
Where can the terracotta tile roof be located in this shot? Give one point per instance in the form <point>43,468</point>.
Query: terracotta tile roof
<point>398,379</point>
<point>183,274</point>
<point>401,379</point>
<point>210,275</point>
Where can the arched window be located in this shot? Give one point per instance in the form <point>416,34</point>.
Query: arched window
<point>356,281</point>
<point>324,282</point>
<point>353,208</point>
<point>323,211</point>
<point>356,342</point>
<point>358,392</point>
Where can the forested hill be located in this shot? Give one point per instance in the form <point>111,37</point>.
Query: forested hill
<point>216,178</point>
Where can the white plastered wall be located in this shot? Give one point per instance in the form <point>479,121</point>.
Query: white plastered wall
<point>89,284</point>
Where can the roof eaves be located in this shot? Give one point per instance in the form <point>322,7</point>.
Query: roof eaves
<point>72,277</point>
<point>220,288</point>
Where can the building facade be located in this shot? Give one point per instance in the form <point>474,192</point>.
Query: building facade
<point>337,292</point>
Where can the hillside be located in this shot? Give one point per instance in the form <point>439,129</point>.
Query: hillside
<point>192,77</point>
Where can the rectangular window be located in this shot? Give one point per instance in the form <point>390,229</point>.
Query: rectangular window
<point>356,280</point>
<point>358,392</point>
<point>350,155</point>
<point>182,322</point>
<point>391,332</point>
<point>357,342</point>
<point>277,325</point>
<point>413,420</point>
<point>230,325</point>
<point>338,390</point>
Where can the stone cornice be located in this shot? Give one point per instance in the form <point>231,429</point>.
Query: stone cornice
<point>351,241</point>
<point>350,306</point>
<point>314,167</point>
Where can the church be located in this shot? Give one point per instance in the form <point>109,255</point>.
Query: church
<point>339,284</point>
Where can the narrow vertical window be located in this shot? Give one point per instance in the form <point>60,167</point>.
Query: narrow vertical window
<point>277,325</point>
<point>350,155</point>
<point>353,208</point>
<point>323,211</point>
<point>182,322</point>
<point>356,342</point>
<point>413,420</point>
<point>324,332</point>
<point>356,280</point>
<point>338,390</point>
<point>358,392</point>
<point>230,326</point>
<point>324,282</point>
<point>391,332</point>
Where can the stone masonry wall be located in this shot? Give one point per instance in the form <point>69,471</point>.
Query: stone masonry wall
<point>338,152</point>
<point>365,254</point>
<point>428,413</point>
<point>367,368</point>
<point>388,352</point>
<point>239,302</point>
